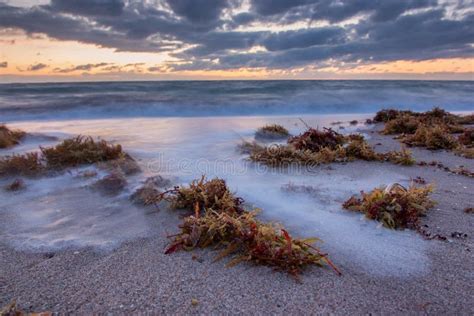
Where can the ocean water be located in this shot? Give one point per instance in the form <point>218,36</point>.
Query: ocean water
<point>183,130</point>
<point>226,98</point>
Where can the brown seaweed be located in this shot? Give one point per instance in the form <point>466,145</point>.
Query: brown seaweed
<point>29,164</point>
<point>9,138</point>
<point>218,220</point>
<point>394,206</point>
<point>436,137</point>
<point>273,131</point>
<point>315,147</point>
<point>80,150</point>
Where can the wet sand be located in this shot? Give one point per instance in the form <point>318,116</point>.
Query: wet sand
<point>138,277</point>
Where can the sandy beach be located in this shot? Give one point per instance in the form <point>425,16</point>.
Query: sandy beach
<point>138,277</point>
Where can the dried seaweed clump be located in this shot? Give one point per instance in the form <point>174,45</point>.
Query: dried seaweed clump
<point>466,152</point>
<point>408,122</point>
<point>69,153</point>
<point>315,147</point>
<point>9,138</point>
<point>11,309</point>
<point>247,147</point>
<point>273,131</point>
<point>386,115</point>
<point>201,195</point>
<point>431,129</point>
<point>80,150</point>
<point>436,137</point>
<point>467,138</point>
<point>239,233</point>
<point>394,206</point>
<point>403,124</point>
<point>434,116</point>
<point>314,140</point>
<point>28,164</point>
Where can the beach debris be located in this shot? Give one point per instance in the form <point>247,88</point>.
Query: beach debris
<point>386,115</point>
<point>403,124</point>
<point>111,184</point>
<point>16,185</point>
<point>218,220</point>
<point>461,170</point>
<point>434,116</point>
<point>419,180</point>
<point>71,152</point>
<point>466,152</point>
<point>271,132</point>
<point>459,235</point>
<point>314,147</point>
<point>467,138</point>
<point>194,302</point>
<point>12,309</point>
<point>395,206</point>
<point>466,144</point>
<point>80,150</point>
<point>204,194</point>
<point>469,210</point>
<point>29,164</point>
<point>436,137</point>
<point>314,139</point>
<point>9,138</point>
<point>246,147</point>
<point>354,122</point>
<point>432,129</point>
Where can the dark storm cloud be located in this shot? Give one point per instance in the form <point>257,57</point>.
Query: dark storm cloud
<point>335,11</point>
<point>303,38</point>
<point>4,64</point>
<point>42,20</point>
<point>89,7</point>
<point>36,67</point>
<point>198,11</point>
<point>204,34</point>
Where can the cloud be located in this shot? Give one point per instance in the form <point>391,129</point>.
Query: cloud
<point>199,11</point>
<point>85,67</point>
<point>303,38</point>
<point>36,67</point>
<point>3,64</point>
<point>89,7</point>
<point>225,34</point>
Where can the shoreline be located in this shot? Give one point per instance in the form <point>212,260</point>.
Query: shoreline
<point>138,277</point>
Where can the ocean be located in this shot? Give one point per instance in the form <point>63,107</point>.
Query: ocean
<point>226,98</point>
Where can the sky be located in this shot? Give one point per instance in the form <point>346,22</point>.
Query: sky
<point>86,40</point>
